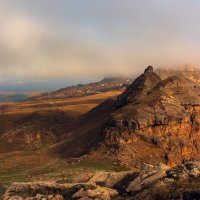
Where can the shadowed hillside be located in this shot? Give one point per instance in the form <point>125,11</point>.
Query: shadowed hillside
<point>29,125</point>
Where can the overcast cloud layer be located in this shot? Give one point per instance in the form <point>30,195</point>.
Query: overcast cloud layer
<point>88,39</point>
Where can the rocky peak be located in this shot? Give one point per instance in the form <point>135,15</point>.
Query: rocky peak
<point>149,69</point>
<point>141,86</point>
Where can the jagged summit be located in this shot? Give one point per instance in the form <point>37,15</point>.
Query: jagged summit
<point>156,97</point>
<point>141,86</point>
<point>149,69</point>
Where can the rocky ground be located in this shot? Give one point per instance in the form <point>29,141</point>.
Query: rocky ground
<point>152,182</point>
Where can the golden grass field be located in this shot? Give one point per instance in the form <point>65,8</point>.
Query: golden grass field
<point>79,105</point>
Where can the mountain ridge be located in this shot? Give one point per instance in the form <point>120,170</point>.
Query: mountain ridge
<point>104,85</point>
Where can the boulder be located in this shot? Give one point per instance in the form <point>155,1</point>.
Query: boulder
<point>45,190</point>
<point>145,181</point>
<point>109,179</point>
<point>58,197</point>
<point>100,193</point>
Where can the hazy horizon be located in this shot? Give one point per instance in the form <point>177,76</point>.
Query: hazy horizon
<point>66,42</point>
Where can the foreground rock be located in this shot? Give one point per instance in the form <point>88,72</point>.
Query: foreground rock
<point>153,182</point>
<point>53,191</point>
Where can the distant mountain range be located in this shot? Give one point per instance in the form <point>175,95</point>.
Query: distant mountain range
<point>4,97</point>
<point>116,83</point>
<point>105,85</point>
<point>17,92</point>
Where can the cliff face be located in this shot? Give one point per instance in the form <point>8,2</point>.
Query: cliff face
<point>155,121</point>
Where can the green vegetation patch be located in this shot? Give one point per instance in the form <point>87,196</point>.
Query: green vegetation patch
<point>57,170</point>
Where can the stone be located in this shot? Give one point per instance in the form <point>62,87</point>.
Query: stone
<point>6,197</point>
<point>195,173</point>
<point>16,198</point>
<point>138,184</point>
<point>50,197</point>
<point>109,179</point>
<point>83,178</point>
<point>58,197</point>
<point>98,193</point>
<point>38,197</point>
<point>46,187</point>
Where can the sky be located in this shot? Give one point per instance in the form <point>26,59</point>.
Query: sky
<point>69,41</point>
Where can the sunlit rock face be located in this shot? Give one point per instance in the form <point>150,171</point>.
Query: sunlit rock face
<point>156,121</point>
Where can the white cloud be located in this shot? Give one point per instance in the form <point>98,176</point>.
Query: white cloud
<point>88,40</point>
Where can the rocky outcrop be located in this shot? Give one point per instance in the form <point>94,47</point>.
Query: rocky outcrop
<point>141,86</point>
<point>97,193</point>
<point>157,120</point>
<point>153,182</point>
<point>153,121</point>
<point>53,191</point>
<point>165,183</point>
<point>109,179</point>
